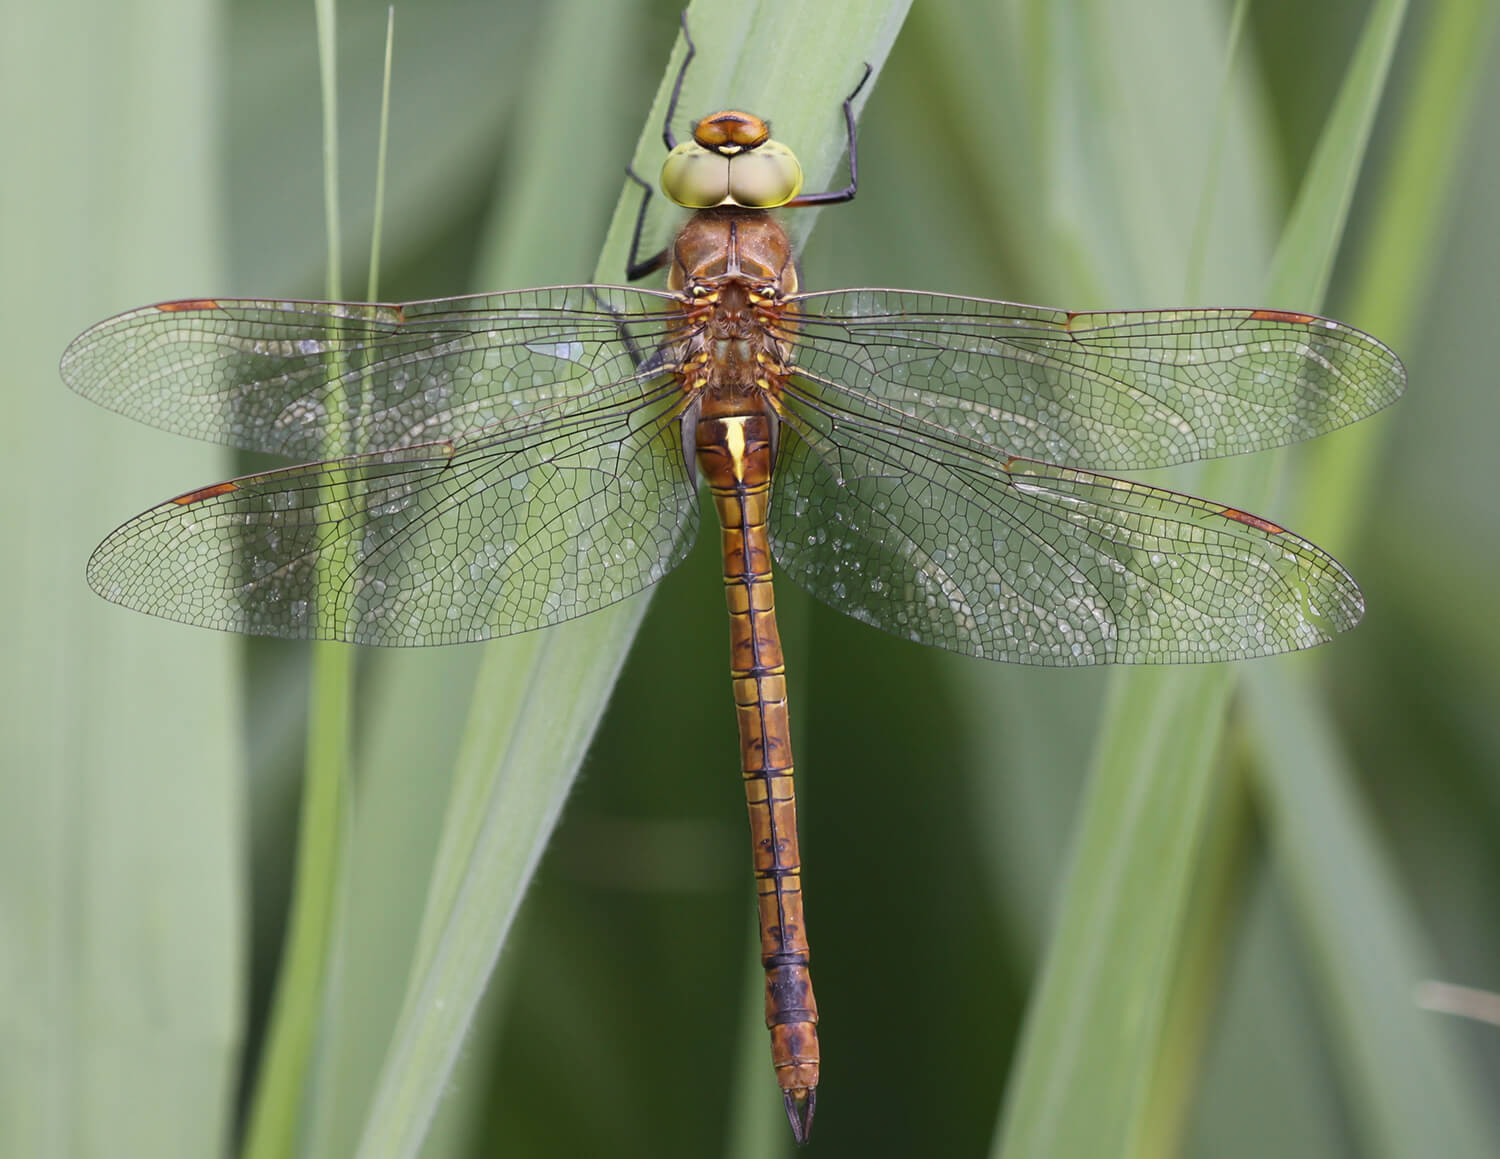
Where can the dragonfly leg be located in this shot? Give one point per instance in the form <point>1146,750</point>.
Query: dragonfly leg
<point>669,137</point>
<point>833,196</point>
<point>637,268</point>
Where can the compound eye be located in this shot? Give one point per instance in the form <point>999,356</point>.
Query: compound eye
<point>765,177</point>
<point>694,177</point>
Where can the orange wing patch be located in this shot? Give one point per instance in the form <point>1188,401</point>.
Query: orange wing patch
<point>205,493</point>
<point>1254,521</point>
<point>1282,316</point>
<point>188,304</point>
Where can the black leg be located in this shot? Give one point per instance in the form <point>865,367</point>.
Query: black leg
<point>692,50</point>
<point>636,267</point>
<point>847,192</point>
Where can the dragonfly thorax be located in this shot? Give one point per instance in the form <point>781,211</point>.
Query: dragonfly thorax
<point>718,246</point>
<point>734,270</point>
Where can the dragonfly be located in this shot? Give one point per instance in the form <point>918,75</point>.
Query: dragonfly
<point>940,467</point>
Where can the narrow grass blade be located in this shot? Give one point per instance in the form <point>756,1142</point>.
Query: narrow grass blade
<point>280,1107</point>
<point>1311,239</point>
<point>1409,215</point>
<point>328,76</point>
<point>372,289</point>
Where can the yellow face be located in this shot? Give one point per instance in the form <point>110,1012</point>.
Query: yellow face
<point>731,160</point>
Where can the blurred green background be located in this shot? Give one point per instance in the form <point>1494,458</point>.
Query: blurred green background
<point>1341,848</point>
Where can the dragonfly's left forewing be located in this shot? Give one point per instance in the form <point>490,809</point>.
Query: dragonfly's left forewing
<point>516,528</point>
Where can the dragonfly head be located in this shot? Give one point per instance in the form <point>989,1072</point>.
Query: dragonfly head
<point>731,160</point>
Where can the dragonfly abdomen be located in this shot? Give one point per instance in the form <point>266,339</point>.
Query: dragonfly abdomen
<point>734,454</point>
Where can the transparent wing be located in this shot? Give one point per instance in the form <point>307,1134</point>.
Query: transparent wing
<point>311,379</point>
<point>526,525</point>
<point>1109,391</point>
<point>939,540</point>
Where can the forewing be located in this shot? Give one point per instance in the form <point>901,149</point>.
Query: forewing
<point>526,525</point>
<point>1107,391</point>
<point>312,379</point>
<point>940,541</point>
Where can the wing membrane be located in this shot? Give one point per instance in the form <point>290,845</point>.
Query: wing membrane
<point>1108,391</point>
<point>296,378</point>
<point>524,526</point>
<point>944,542</point>
<point>530,469</point>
